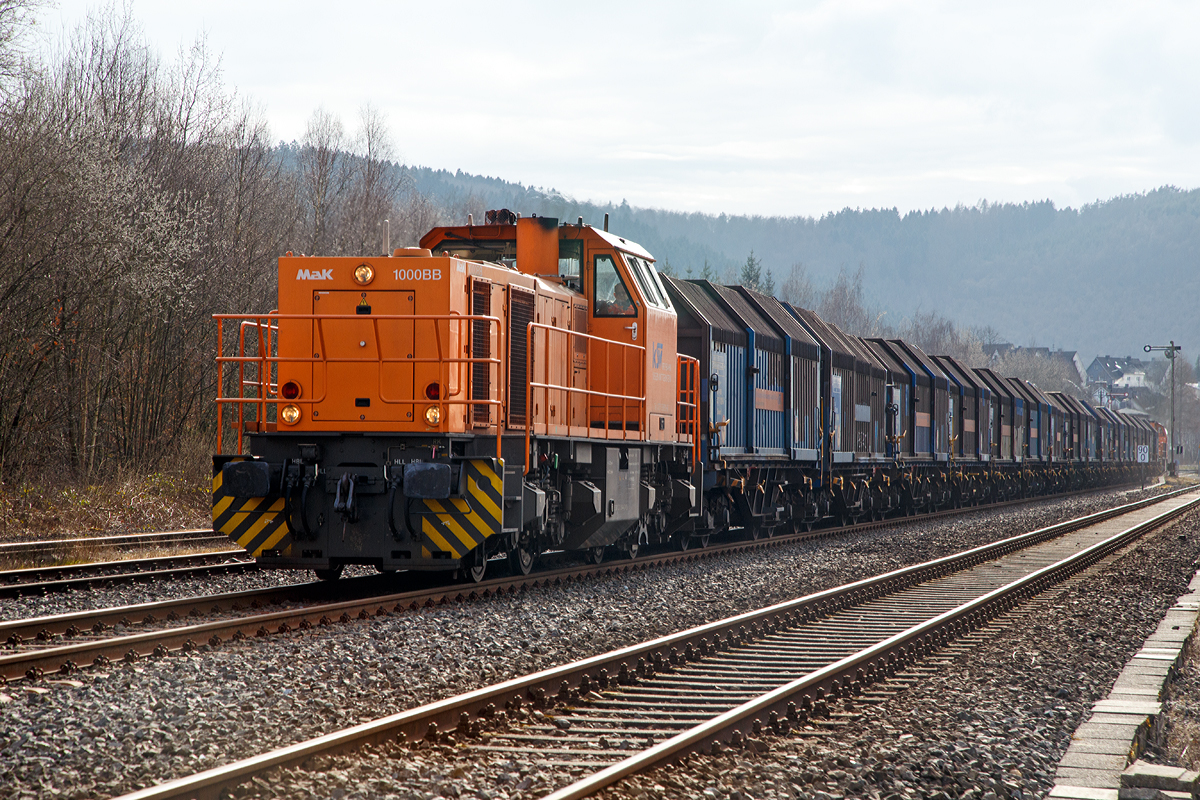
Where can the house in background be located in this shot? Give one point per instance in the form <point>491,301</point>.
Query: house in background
<point>999,351</point>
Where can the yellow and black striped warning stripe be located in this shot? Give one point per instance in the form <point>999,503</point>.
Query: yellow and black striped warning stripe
<point>255,523</point>
<point>458,525</point>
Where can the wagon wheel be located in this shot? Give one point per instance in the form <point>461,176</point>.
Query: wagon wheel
<point>331,574</point>
<point>520,560</point>
<point>474,564</point>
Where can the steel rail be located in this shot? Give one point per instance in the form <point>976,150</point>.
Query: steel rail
<point>846,674</point>
<point>67,658</point>
<point>49,546</point>
<point>33,581</point>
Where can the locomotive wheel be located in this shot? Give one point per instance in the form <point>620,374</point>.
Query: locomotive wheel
<point>520,560</point>
<point>474,564</point>
<point>631,550</point>
<point>331,574</point>
<point>595,555</point>
<point>688,540</point>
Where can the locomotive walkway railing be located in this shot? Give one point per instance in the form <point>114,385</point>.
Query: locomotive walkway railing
<point>624,415</point>
<point>257,385</point>
<point>687,414</point>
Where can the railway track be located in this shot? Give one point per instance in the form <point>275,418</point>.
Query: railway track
<point>68,577</point>
<point>63,643</point>
<point>58,548</point>
<point>731,683</point>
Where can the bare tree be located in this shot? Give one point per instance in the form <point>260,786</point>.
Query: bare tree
<point>844,304</point>
<point>16,16</point>
<point>938,335</point>
<point>375,184</point>
<point>797,288</point>
<point>1047,373</point>
<point>323,180</point>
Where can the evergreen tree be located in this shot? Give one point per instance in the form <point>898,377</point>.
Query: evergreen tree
<point>707,272</point>
<point>751,275</point>
<point>768,284</point>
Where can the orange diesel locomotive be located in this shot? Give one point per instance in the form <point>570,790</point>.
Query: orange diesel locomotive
<point>502,390</point>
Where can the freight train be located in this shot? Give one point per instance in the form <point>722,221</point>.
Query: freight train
<point>526,385</point>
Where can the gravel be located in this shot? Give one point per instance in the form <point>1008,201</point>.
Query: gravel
<point>140,725</point>
<point>160,589</point>
<point>994,725</point>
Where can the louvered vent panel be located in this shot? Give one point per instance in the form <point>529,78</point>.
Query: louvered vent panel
<point>580,326</point>
<point>481,347</point>
<point>520,314</point>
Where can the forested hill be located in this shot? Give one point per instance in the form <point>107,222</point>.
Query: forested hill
<point>1105,278</point>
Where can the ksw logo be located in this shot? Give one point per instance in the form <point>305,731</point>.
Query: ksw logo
<point>658,355</point>
<point>314,275</point>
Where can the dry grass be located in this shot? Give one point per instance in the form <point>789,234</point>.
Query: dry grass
<point>126,504</point>
<point>1181,740</point>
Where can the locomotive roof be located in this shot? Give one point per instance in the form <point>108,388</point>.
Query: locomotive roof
<point>495,236</point>
<point>803,344</point>
<point>697,303</point>
<point>828,336</point>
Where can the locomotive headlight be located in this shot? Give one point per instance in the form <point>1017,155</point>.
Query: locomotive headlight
<point>363,274</point>
<point>290,414</point>
<point>433,415</point>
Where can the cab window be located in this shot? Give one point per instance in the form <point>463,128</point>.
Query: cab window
<point>643,279</point>
<point>661,289</point>
<point>570,261</point>
<point>611,297</point>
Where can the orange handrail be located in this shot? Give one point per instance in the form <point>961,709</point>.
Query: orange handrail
<point>625,400</point>
<point>687,413</point>
<point>267,364</point>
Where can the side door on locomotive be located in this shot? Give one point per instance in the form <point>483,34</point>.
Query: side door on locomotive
<point>629,305</point>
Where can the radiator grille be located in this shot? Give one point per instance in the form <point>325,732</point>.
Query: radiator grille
<point>520,314</point>
<point>580,326</point>
<point>481,347</point>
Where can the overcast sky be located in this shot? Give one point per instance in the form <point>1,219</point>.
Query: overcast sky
<point>760,108</point>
